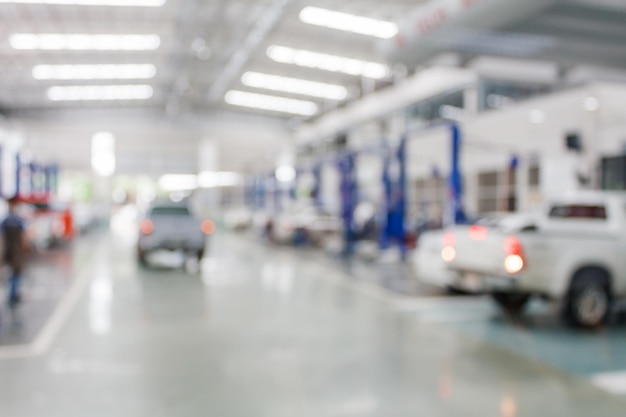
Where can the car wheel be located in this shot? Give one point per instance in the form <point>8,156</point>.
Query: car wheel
<point>511,303</point>
<point>588,302</point>
<point>142,257</point>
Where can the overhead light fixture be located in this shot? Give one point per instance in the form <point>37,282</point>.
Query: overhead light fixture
<point>94,72</point>
<point>326,62</point>
<point>592,104</point>
<point>294,85</point>
<point>271,103</point>
<point>84,42</point>
<point>100,92</point>
<point>348,22</point>
<point>117,3</point>
<point>537,117</point>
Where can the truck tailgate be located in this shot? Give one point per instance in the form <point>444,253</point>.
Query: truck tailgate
<point>176,227</point>
<point>478,250</point>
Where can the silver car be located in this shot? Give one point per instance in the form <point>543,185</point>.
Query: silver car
<point>172,227</point>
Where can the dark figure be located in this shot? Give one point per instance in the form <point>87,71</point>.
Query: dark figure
<point>13,230</point>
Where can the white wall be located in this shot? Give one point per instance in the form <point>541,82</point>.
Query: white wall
<point>149,144</point>
<point>491,139</point>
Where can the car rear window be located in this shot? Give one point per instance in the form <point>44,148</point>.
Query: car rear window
<point>169,211</point>
<point>578,212</point>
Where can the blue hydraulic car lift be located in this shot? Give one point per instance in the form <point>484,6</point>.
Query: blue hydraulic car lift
<point>396,189</point>
<point>395,184</point>
<point>348,189</point>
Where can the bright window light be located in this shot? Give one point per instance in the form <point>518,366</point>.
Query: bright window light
<point>285,173</point>
<point>333,63</point>
<point>592,104</point>
<point>103,154</point>
<point>178,182</point>
<point>121,3</point>
<point>94,72</point>
<point>271,103</point>
<point>100,92</point>
<point>348,22</point>
<point>84,42</point>
<point>210,179</point>
<point>294,85</point>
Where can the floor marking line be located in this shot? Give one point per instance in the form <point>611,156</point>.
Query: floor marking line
<point>613,382</point>
<point>50,330</point>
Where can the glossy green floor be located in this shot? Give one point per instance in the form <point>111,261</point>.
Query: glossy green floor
<point>269,333</point>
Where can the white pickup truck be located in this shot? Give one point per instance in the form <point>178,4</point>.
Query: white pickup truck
<point>573,251</point>
<point>172,227</point>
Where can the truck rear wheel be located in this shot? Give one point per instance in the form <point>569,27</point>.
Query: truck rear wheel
<point>511,303</point>
<point>142,257</point>
<point>589,300</point>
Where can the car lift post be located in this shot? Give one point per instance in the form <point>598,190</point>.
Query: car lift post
<point>455,180</point>
<point>348,189</point>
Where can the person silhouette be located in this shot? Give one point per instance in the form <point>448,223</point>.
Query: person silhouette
<point>13,231</point>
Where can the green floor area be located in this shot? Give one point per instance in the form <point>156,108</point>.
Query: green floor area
<point>539,335</point>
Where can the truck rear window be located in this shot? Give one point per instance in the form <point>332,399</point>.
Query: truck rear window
<point>578,212</point>
<point>169,211</point>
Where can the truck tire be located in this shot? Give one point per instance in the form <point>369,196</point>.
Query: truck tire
<point>589,299</point>
<point>142,257</point>
<point>511,303</point>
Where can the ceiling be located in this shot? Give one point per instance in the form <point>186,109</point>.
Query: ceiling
<point>205,47</point>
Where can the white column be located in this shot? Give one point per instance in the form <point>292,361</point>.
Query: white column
<point>471,99</point>
<point>521,184</point>
<point>208,200</point>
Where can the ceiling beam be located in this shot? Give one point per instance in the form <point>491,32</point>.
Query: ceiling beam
<point>267,22</point>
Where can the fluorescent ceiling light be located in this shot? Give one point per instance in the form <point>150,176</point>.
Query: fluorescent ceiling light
<point>100,92</point>
<point>348,22</point>
<point>84,42</point>
<point>130,3</point>
<point>271,103</point>
<point>592,104</point>
<point>294,85</point>
<point>333,63</point>
<point>537,117</point>
<point>94,72</point>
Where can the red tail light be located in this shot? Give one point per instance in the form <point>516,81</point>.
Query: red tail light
<point>514,261</point>
<point>478,232</point>
<point>208,227</point>
<point>146,226</point>
<point>512,246</point>
<point>449,239</point>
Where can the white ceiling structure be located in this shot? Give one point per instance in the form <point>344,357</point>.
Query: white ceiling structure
<point>181,56</point>
<point>259,67</point>
<point>174,55</point>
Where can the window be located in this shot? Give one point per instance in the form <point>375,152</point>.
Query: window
<point>534,176</point>
<point>614,173</point>
<point>496,191</point>
<point>578,212</point>
<point>170,211</point>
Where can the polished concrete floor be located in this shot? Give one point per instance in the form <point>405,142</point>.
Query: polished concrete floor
<point>266,332</point>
